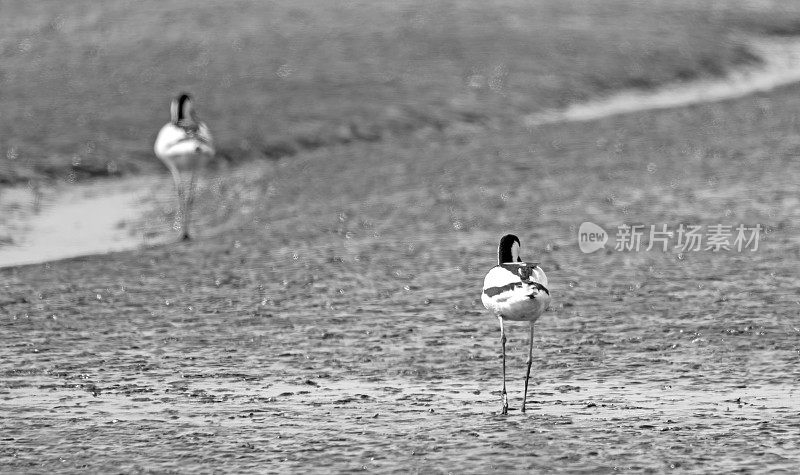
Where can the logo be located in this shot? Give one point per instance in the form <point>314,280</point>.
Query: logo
<point>591,237</point>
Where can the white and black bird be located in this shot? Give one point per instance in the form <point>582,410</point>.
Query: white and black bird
<point>185,146</point>
<point>515,290</point>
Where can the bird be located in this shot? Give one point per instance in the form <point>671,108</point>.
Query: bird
<point>517,291</point>
<point>185,146</point>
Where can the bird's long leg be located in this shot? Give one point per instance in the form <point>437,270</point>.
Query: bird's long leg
<point>188,206</point>
<point>503,345</point>
<point>176,178</point>
<point>528,373</point>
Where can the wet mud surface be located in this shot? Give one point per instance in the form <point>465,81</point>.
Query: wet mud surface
<point>631,381</point>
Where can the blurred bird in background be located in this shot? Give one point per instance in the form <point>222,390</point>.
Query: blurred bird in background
<point>185,146</point>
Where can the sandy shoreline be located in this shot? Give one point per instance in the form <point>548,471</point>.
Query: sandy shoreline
<point>83,219</point>
<point>781,66</point>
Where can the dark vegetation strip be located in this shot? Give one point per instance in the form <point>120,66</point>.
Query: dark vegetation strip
<point>404,124</point>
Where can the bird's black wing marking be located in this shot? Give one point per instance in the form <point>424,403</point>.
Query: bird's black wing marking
<point>492,291</point>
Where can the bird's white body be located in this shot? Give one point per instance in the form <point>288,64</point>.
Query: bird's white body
<point>516,291</point>
<point>182,147</point>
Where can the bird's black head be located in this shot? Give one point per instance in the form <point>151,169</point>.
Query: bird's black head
<point>504,250</point>
<point>182,108</point>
